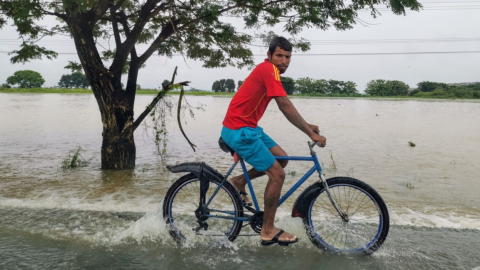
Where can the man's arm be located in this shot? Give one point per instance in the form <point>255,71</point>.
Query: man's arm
<point>291,113</point>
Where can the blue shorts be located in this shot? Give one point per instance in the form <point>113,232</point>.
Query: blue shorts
<point>252,144</point>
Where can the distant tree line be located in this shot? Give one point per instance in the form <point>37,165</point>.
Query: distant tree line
<point>224,85</point>
<point>303,86</point>
<point>424,89</point>
<point>33,79</point>
<point>309,86</point>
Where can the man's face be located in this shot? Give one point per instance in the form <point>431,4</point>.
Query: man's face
<point>280,58</point>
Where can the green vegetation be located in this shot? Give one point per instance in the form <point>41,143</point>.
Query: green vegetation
<point>409,185</point>
<point>240,82</point>
<point>26,79</point>
<point>309,86</point>
<point>74,80</point>
<point>470,91</point>
<point>387,88</point>
<point>224,85</point>
<point>46,90</point>
<point>442,90</point>
<point>74,159</point>
<point>288,84</point>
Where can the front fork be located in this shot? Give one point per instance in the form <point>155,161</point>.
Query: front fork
<point>332,199</point>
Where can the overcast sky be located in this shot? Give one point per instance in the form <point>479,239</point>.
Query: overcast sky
<point>458,21</point>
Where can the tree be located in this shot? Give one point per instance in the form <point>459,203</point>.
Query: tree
<point>230,85</point>
<point>350,88</point>
<point>398,88</point>
<point>240,82</point>
<point>26,79</point>
<point>216,87</point>
<point>288,84</point>
<point>5,86</point>
<point>377,88</point>
<point>427,86</point>
<point>305,86</point>
<point>222,85</point>
<point>387,88</point>
<point>308,86</point>
<point>74,80</point>
<point>194,28</point>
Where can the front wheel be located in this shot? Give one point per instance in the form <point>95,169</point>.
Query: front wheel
<point>366,224</point>
<point>181,202</point>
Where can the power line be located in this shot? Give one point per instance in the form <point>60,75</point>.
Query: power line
<point>389,53</point>
<point>312,42</point>
<point>338,54</point>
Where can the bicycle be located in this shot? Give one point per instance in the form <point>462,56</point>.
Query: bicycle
<point>340,214</point>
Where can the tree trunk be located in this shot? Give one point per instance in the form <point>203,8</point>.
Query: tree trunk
<point>116,106</point>
<point>118,145</point>
<point>118,151</point>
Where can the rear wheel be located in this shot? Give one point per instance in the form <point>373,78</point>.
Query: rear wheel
<point>367,223</point>
<point>181,202</point>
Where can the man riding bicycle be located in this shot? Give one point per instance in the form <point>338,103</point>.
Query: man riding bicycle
<point>241,133</point>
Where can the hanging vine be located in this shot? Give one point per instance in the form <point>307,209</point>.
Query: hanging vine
<point>161,112</point>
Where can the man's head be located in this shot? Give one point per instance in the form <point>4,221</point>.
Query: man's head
<point>279,53</point>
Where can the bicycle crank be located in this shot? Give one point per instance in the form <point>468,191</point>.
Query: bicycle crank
<point>256,222</point>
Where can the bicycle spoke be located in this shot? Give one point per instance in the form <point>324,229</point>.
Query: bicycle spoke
<point>353,235</point>
<point>185,202</point>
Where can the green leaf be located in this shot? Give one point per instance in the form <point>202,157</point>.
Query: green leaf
<point>31,51</point>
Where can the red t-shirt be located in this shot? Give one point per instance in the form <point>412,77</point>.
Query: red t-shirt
<point>251,100</point>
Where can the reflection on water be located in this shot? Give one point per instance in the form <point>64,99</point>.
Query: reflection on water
<point>432,185</point>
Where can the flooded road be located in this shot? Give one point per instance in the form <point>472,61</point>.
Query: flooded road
<point>86,218</point>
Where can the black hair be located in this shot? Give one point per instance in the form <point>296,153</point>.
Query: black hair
<point>281,42</point>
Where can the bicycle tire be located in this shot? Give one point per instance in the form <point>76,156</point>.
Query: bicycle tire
<point>181,201</point>
<point>362,233</point>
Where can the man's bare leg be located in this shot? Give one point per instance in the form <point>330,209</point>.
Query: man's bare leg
<point>276,176</point>
<point>239,182</point>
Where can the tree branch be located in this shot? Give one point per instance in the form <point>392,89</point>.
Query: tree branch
<point>131,88</point>
<point>204,17</point>
<point>126,47</point>
<point>154,102</point>
<point>119,4</point>
<point>180,122</point>
<point>124,21</point>
<point>167,31</point>
<point>99,10</point>
<point>116,33</point>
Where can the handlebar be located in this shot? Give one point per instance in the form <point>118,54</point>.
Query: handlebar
<point>312,144</point>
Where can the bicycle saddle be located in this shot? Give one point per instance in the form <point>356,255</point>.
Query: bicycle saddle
<point>225,147</point>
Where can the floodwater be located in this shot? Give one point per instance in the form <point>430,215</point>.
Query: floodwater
<point>86,218</point>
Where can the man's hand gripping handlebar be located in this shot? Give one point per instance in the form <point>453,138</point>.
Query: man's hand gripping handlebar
<point>318,140</point>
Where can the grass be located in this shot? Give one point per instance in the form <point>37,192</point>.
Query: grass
<point>46,90</point>
<point>209,93</point>
<point>409,185</point>
<point>88,91</point>
<point>333,160</point>
<point>74,159</point>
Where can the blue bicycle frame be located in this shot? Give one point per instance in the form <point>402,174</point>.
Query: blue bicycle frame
<point>316,167</point>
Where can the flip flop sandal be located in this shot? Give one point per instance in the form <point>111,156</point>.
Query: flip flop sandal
<point>276,241</point>
<point>243,193</point>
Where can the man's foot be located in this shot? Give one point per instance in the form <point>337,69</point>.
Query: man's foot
<point>239,185</point>
<point>279,237</point>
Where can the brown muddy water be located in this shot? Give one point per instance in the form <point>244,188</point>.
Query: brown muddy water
<point>86,218</point>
